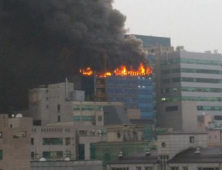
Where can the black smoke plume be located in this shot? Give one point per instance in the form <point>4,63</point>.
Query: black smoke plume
<point>44,41</point>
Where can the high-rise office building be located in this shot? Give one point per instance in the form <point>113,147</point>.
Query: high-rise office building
<point>188,76</point>
<point>134,92</point>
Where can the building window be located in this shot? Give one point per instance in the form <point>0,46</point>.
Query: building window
<point>217,117</point>
<point>76,107</point>
<point>68,141</point>
<point>68,154</point>
<point>118,135</point>
<point>191,139</point>
<point>1,155</point>
<point>148,168</point>
<point>163,145</point>
<point>58,108</point>
<point>83,133</point>
<point>1,134</point>
<point>32,141</point>
<point>171,108</point>
<point>185,168</point>
<point>52,141</point>
<point>138,168</point>
<point>32,155</point>
<point>100,118</point>
<point>19,135</point>
<point>53,155</point>
<point>58,119</point>
<point>174,168</point>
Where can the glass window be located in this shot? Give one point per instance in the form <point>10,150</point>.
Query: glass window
<point>32,141</point>
<point>148,168</point>
<point>1,155</point>
<point>53,155</point>
<point>68,141</point>
<point>98,108</point>
<point>191,139</point>
<point>185,168</point>
<point>138,168</point>
<point>171,108</point>
<point>76,107</point>
<point>174,168</point>
<point>1,134</point>
<point>100,118</point>
<point>87,107</point>
<point>58,108</point>
<point>52,141</point>
<point>77,118</point>
<point>88,118</point>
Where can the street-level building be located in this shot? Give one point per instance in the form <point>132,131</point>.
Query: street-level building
<point>15,139</point>
<point>175,151</point>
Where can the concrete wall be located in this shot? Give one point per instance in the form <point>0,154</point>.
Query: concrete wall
<point>189,117</point>
<point>171,144</point>
<point>15,145</point>
<point>214,138</point>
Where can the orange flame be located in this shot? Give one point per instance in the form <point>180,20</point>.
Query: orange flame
<point>106,74</point>
<point>86,72</point>
<point>122,71</point>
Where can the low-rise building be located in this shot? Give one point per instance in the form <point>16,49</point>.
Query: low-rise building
<point>175,151</point>
<point>53,142</point>
<point>61,103</point>
<point>15,142</point>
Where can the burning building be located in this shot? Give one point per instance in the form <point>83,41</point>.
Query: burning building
<point>133,87</point>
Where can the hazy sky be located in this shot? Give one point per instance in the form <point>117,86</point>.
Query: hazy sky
<point>195,24</point>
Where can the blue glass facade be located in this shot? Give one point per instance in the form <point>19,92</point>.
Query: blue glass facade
<point>135,92</point>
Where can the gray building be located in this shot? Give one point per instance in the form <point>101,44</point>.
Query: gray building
<point>188,76</point>
<point>61,103</point>
<point>175,151</point>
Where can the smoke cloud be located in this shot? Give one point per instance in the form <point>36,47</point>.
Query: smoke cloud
<point>44,41</point>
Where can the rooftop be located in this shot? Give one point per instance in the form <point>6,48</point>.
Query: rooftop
<point>206,155</point>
